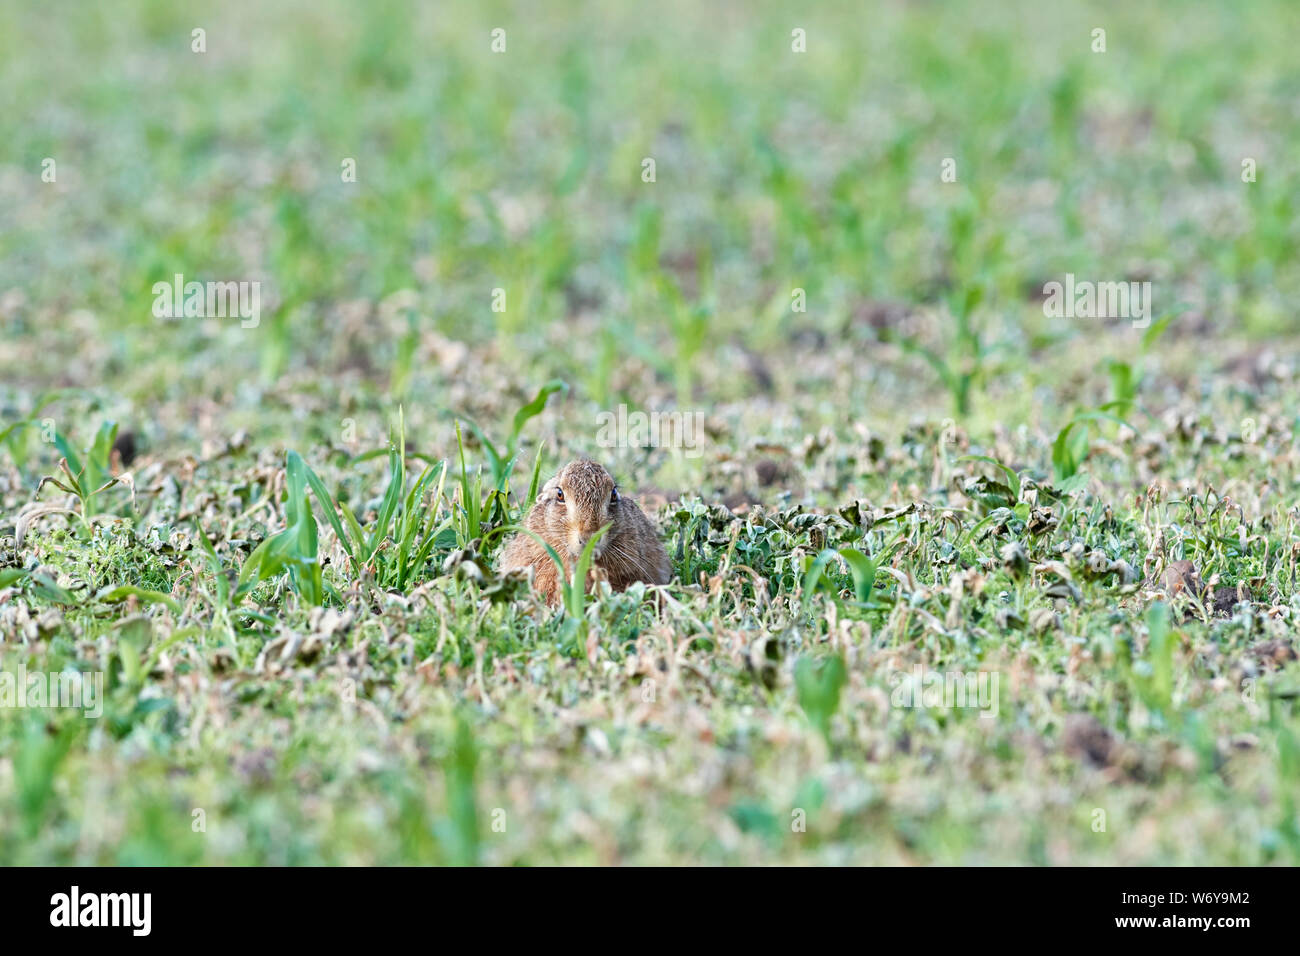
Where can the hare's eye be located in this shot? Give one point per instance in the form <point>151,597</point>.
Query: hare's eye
<point>613,497</point>
<point>559,494</point>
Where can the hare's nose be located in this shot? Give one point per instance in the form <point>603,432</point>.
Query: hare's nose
<point>579,538</point>
<point>589,524</point>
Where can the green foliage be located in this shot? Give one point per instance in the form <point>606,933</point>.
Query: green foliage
<point>39,757</point>
<point>120,593</point>
<point>1158,685</point>
<point>475,512</point>
<point>406,529</point>
<point>461,832</point>
<point>818,683</point>
<point>501,461</point>
<point>1072,444</point>
<point>864,569</point>
<point>1126,377</point>
<point>966,363</point>
<point>292,550</point>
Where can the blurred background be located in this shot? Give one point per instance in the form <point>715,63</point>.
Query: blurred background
<point>522,171</point>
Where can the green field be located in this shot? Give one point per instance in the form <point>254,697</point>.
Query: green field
<point>271,538</point>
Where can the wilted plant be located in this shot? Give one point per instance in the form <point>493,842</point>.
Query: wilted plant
<point>86,479</point>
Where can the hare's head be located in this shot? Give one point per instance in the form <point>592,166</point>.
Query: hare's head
<point>577,503</point>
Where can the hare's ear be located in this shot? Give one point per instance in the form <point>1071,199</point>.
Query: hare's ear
<point>547,489</point>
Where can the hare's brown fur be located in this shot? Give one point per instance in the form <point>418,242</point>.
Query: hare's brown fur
<point>573,506</point>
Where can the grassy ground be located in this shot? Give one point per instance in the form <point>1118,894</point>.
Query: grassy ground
<point>921,474</point>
